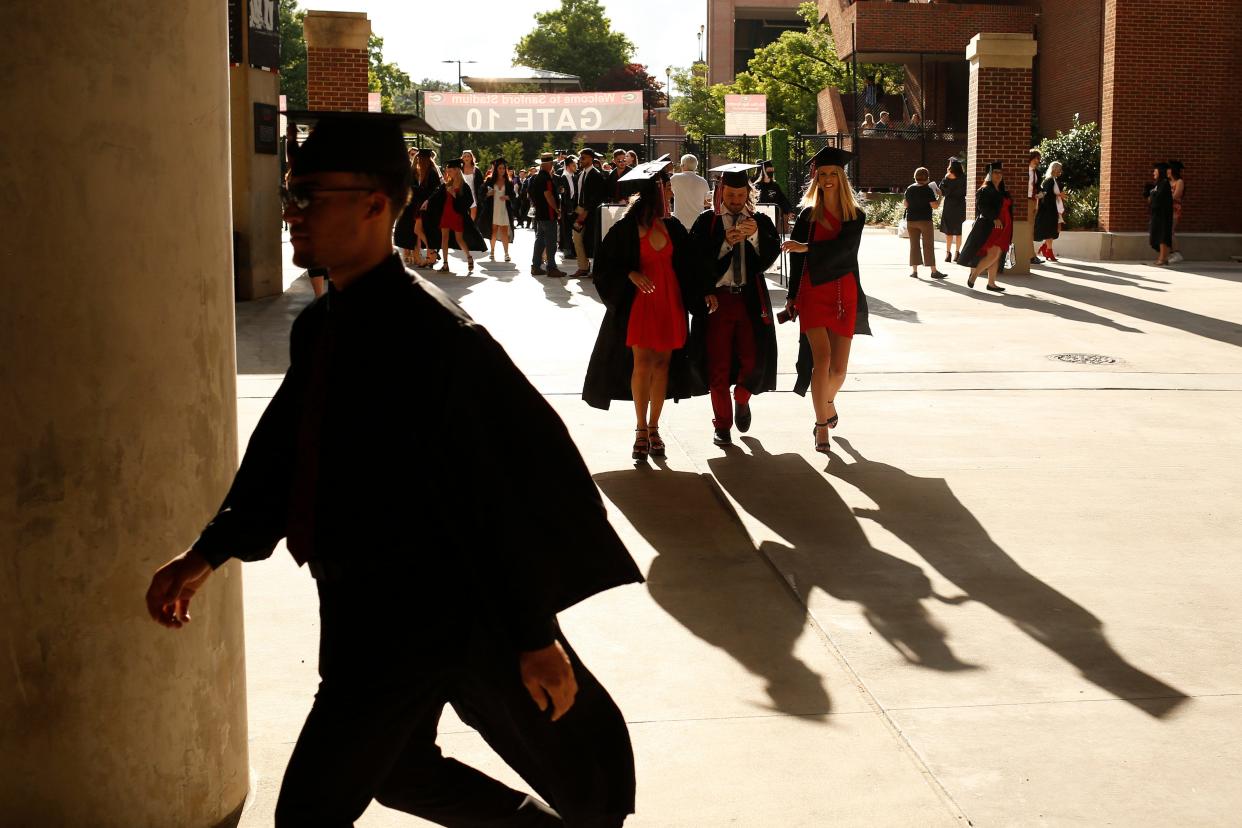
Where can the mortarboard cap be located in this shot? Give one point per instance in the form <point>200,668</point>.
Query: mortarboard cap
<point>996,165</point>
<point>454,163</point>
<point>370,143</point>
<point>426,152</point>
<point>734,175</point>
<point>1176,166</point>
<point>832,156</point>
<point>649,170</point>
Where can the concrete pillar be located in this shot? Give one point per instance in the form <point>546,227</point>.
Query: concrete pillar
<point>256,185</point>
<point>337,60</point>
<point>1000,124</point>
<point>119,416</point>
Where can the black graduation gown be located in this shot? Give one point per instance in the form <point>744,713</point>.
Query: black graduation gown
<point>592,193</point>
<point>988,201</point>
<point>1047,219</point>
<point>612,362</point>
<point>403,231</point>
<point>952,205</point>
<point>771,193</point>
<point>1160,227</point>
<point>435,209</point>
<point>708,234</point>
<point>826,261</point>
<point>566,201</point>
<point>484,222</point>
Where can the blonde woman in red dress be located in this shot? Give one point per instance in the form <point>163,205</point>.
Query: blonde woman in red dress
<point>825,294</point>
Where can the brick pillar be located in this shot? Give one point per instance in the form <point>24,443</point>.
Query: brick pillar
<point>336,60</point>
<point>1000,124</point>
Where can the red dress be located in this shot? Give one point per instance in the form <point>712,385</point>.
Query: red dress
<point>657,319</point>
<point>1001,236</point>
<point>832,305</point>
<point>450,219</point>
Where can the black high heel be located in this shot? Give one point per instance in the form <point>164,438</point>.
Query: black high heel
<point>642,446</point>
<point>825,446</point>
<point>834,419</point>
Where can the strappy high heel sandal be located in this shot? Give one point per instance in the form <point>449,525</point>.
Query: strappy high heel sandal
<point>825,446</point>
<point>832,421</point>
<point>469,263</point>
<point>642,446</point>
<point>444,268</point>
<point>657,445</point>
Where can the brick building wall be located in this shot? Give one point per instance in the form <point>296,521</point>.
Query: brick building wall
<point>1169,72</point>
<point>337,79</point>
<point>1069,63</point>
<point>929,28</point>
<point>999,130</point>
<point>889,163</point>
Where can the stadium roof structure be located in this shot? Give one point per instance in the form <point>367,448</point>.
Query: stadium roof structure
<point>503,80</point>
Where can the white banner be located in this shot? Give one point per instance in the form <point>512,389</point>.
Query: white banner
<point>533,112</point>
<point>746,114</point>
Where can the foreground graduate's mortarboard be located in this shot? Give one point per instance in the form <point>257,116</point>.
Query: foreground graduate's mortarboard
<point>648,170</point>
<point>996,165</point>
<point>355,142</point>
<point>455,163</point>
<point>832,156</point>
<point>734,175</point>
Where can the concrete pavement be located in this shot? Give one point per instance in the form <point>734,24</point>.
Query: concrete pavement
<point>1010,597</point>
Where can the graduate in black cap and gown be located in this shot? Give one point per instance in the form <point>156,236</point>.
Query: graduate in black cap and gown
<point>825,291</point>
<point>992,232</point>
<point>1160,226</point>
<point>422,603</point>
<point>648,279</point>
<point>735,344</point>
<point>448,221</point>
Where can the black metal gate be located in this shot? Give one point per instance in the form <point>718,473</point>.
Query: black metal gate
<point>721,149</point>
<point>674,146</point>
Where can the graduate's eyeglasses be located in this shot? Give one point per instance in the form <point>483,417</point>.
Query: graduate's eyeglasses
<point>303,197</point>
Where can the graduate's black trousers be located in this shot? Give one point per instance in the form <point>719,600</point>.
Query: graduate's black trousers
<point>371,733</point>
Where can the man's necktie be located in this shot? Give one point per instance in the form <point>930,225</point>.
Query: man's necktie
<point>737,254</point>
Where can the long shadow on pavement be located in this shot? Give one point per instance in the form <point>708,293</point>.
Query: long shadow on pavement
<point>925,514</point>
<point>828,550</point>
<point>707,576</point>
<point>1192,323</point>
<point>1031,303</point>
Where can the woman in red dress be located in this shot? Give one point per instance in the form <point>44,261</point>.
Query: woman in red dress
<point>447,220</point>
<point>825,294</point>
<point>648,279</point>
<point>992,233</point>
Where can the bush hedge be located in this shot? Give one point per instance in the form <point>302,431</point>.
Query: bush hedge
<point>1079,153</point>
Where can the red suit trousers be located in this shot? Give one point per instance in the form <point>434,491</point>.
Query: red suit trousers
<point>729,333</point>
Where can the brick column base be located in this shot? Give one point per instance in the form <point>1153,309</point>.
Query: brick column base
<point>337,60</point>
<point>1000,125</point>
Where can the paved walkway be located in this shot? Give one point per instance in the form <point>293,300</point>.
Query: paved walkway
<point>1011,596</point>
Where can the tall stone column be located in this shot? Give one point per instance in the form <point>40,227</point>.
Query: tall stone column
<point>118,412</point>
<point>337,60</point>
<point>1000,124</point>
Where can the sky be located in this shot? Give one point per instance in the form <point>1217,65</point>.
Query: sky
<point>419,34</point>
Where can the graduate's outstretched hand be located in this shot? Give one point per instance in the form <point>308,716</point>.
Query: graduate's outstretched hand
<point>172,587</point>
<point>549,677</point>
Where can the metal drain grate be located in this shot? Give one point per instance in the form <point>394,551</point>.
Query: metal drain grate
<point>1084,359</point>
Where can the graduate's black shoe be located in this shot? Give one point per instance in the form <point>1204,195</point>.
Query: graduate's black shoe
<point>741,416</point>
<point>538,271</point>
<point>996,288</point>
<point>722,437</point>
<point>1036,260</point>
<point>936,274</point>
<point>825,446</point>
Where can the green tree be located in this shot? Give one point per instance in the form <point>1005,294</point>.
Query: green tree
<point>382,77</point>
<point>1079,153</point>
<point>791,72</point>
<point>577,39</point>
<point>292,54</point>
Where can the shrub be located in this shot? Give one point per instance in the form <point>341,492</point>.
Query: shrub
<point>883,208</point>
<point>1082,208</point>
<point>1079,153</point>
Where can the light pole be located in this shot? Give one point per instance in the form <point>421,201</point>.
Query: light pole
<point>668,90</point>
<point>702,28</point>
<point>459,63</point>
